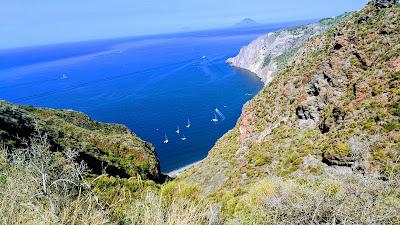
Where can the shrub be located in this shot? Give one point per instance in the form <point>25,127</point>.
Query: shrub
<point>151,210</point>
<point>39,187</point>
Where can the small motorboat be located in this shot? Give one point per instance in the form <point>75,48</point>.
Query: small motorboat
<point>183,138</point>
<point>188,124</point>
<point>166,140</point>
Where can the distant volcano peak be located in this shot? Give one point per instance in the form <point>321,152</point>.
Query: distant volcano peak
<point>247,22</point>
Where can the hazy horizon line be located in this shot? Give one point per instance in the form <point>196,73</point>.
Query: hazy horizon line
<point>149,35</point>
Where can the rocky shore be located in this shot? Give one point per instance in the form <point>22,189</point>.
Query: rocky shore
<point>270,53</point>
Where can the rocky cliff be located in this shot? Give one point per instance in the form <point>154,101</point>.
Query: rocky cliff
<point>100,145</point>
<point>335,109</point>
<point>269,54</point>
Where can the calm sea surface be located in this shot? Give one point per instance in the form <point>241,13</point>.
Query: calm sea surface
<point>151,84</point>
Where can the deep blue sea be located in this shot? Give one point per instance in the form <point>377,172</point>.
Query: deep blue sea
<point>151,84</point>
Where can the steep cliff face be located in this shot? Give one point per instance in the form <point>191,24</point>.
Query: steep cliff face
<point>100,145</point>
<point>269,54</point>
<point>335,108</point>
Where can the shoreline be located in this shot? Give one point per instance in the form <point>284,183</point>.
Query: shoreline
<point>177,172</point>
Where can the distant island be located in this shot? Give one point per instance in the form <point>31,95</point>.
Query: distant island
<point>247,22</point>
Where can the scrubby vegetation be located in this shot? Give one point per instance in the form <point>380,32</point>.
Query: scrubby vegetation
<point>99,144</point>
<point>38,187</point>
<point>286,57</point>
<point>318,145</point>
<point>330,117</point>
<point>336,19</point>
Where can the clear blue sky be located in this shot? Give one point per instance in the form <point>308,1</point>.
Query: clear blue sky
<point>38,22</point>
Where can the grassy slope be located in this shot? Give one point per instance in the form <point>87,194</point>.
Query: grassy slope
<point>287,56</point>
<point>320,143</point>
<point>336,105</point>
<point>112,145</point>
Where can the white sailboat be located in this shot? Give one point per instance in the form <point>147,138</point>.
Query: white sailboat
<point>178,131</point>
<point>183,138</point>
<point>215,119</point>
<point>166,139</point>
<point>188,124</point>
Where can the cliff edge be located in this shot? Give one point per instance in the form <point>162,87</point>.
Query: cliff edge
<point>333,113</point>
<point>100,145</point>
<point>270,53</point>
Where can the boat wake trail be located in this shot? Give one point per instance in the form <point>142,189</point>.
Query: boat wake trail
<point>220,114</point>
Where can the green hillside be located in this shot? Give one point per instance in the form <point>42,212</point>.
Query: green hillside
<point>327,125</point>
<point>99,145</point>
